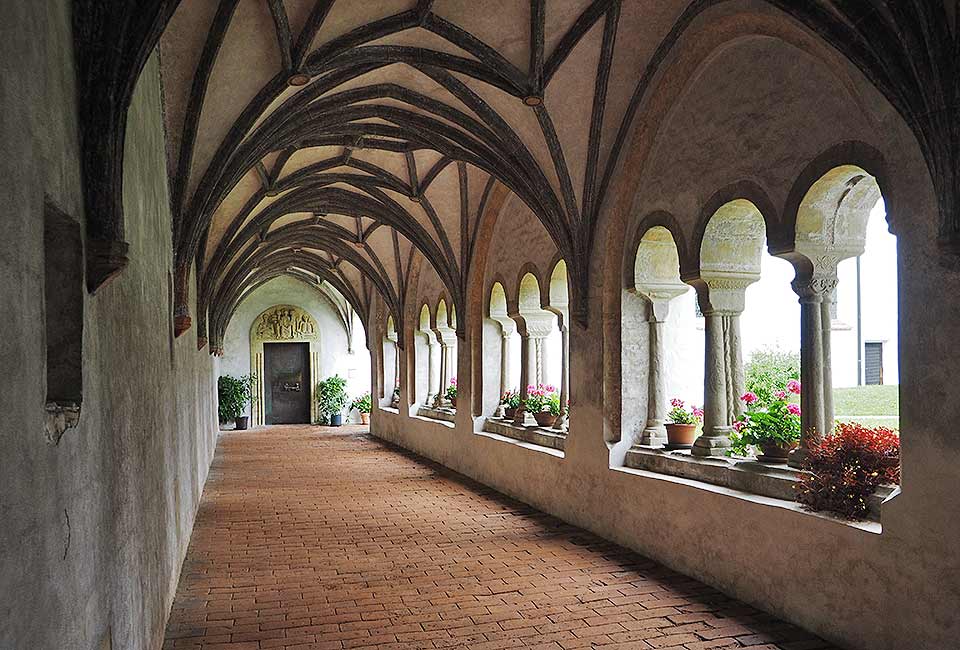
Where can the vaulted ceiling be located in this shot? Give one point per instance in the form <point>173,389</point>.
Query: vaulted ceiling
<point>336,139</point>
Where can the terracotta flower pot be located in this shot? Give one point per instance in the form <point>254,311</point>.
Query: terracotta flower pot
<point>680,436</point>
<point>453,402</point>
<point>510,412</point>
<point>545,418</point>
<point>775,452</point>
<point>365,418</point>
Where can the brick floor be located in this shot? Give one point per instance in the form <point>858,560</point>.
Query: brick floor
<point>326,539</point>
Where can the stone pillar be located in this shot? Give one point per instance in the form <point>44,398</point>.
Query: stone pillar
<point>447,338</point>
<point>826,327</point>
<point>721,299</point>
<point>658,293</point>
<point>507,328</point>
<point>432,377</point>
<point>654,432</point>
<point>813,289</point>
<point>528,365</point>
<point>561,422</point>
<point>394,398</point>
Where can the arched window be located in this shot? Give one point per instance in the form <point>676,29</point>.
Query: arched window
<point>446,333</point>
<point>656,358</point>
<point>504,374</point>
<point>425,356</point>
<point>391,366</point>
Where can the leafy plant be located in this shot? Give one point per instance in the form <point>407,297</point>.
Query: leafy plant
<point>233,395</point>
<point>511,399</point>
<point>363,403</point>
<point>331,395</point>
<point>846,467</point>
<point>679,414</point>
<point>776,420</point>
<point>539,398</point>
<point>768,370</point>
<point>451,391</point>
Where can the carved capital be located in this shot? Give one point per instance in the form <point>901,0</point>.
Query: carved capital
<point>816,288</point>
<point>105,260</point>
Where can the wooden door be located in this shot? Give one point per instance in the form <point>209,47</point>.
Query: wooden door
<point>286,386</point>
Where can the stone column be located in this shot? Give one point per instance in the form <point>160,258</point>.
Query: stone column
<point>654,432</point>
<point>394,399</point>
<point>507,328</point>
<point>826,327</point>
<point>658,294</point>
<point>561,422</point>
<point>721,297</point>
<point>527,363</point>
<point>814,345</point>
<point>432,377</point>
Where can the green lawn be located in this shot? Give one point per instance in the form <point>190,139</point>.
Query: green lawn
<point>870,405</point>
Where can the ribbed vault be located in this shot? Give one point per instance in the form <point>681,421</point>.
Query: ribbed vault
<point>342,139</point>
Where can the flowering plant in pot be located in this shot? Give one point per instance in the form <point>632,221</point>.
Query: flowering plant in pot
<point>772,425</point>
<point>682,428</point>
<point>451,392</point>
<point>511,402</point>
<point>363,404</point>
<point>543,402</point>
<point>846,467</point>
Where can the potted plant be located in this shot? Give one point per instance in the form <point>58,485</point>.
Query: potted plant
<point>363,404</point>
<point>331,398</point>
<point>511,402</point>
<point>540,403</point>
<point>233,395</point>
<point>772,425</point>
<point>682,427</point>
<point>451,392</point>
<point>395,400</point>
<point>845,468</point>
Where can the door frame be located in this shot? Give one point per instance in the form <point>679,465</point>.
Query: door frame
<point>282,324</point>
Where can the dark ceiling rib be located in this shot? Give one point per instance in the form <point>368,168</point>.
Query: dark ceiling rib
<point>470,43</point>
<point>198,90</point>
<point>112,41</point>
<point>284,39</point>
<point>559,161</point>
<point>599,104</point>
<point>538,15</point>
<point>464,211</point>
<point>565,46</point>
<point>310,29</point>
<point>424,7</point>
<point>412,173</point>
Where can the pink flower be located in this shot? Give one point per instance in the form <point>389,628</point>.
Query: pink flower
<point>697,411</point>
<point>453,382</point>
<point>780,395</point>
<point>793,386</point>
<point>738,425</point>
<point>677,403</point>
<point>793,409</point>
<point>749,397</point>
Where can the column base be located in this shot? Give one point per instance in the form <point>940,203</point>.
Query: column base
<point>524,419</point>
<point>796,457</point>
<point>653,437</point>
<point>561,423</point>
<point>716,444</point>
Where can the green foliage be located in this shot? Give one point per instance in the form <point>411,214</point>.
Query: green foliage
<point>511,399</point>
<point>233,393</point>
<point>451,391</point>
<point>362,403</point>
<point>768,370</point>
<point>331,395</point>
<point>680,414</point>
<point>776,421</point>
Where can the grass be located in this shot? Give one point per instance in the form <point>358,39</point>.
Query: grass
<point>869,405</point>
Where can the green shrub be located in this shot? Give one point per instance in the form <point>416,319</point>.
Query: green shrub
<point>768,370</point>
<point>331,395</point>
<point>233,395</point>
<point>363,403</point>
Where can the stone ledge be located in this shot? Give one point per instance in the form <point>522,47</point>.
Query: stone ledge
<point>534,435</point>
<point>741,474</point>
<point>442,414</point>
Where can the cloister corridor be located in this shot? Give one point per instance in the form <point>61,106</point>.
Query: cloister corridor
<point>311,538</point>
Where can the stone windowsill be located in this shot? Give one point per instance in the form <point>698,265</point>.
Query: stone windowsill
<point>390,409</point>
<point>539,436</point>
<point>736,473</point>
<point>442,414</point>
